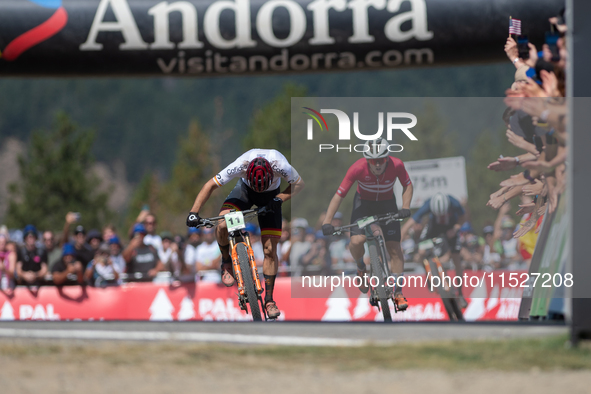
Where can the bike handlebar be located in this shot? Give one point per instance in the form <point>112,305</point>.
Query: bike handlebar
<point>386,217</point>
<point>210,222</point>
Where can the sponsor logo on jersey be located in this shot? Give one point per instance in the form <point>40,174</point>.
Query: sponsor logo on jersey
<point>236,170</point>
<point>279,170</point>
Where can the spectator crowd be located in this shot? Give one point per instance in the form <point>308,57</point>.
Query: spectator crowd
<point>100,258</point>
<point>536,123</point>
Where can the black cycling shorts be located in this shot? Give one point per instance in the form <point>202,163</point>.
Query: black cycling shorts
<point>243,197</point>
<point>363,208</point>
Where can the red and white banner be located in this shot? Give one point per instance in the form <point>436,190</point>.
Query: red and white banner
<point>209,301</point>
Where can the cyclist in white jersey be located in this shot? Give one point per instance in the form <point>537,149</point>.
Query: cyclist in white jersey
<point>260,172</point>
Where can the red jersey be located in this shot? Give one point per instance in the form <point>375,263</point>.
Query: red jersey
<point>371,187</point>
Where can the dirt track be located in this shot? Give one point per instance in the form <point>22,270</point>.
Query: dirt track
<point>116,367</point>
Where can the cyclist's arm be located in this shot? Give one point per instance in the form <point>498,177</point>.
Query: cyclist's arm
<point>409,223</point>
<point>461,212</point>
<point>458,225</point>
<point>416,218</point>
<point>407,196</point>
<point>333,207</point>
<point>204,195</point>
<point>290,191</point>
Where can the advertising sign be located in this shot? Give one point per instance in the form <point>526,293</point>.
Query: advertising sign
<point>446,175</point>
<point>210,301</point>
<point>234,37</point>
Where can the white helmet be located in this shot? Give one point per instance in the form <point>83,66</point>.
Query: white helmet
<point>376,149</point>
<point>439,204</point>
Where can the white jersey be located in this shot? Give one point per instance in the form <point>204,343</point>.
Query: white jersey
<point>280,165</point>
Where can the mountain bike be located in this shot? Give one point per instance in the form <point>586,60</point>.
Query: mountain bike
<point>433,249</point>
<point>380,291</point>
<point>243,262</point>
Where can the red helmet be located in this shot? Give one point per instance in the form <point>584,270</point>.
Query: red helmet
<point>259,175</point>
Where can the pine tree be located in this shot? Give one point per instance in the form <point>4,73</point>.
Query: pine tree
<point>270,126</point>
<point>435,140</point>
<point>194,165</point>
<point>55,180</point>
<point>147,193</point>
<point>196,162</point>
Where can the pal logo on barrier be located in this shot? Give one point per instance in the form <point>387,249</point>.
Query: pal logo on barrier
<point>344,132</point>
<point>38,34</point>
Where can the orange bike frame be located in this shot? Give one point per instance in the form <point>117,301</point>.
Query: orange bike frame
<point>251,261</point>
<point>441,272</point>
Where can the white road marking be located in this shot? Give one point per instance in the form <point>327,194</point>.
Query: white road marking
<point>181,336</point>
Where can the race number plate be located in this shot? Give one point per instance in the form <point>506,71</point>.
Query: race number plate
<point>426,245</point>
<point>365,221</point>
<point>234,221</point>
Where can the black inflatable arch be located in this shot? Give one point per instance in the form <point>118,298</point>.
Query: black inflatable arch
<point>225,37</point>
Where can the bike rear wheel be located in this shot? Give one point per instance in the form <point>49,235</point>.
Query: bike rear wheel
<point>449,309</point>
<point>455,303</point>
<point>249,286</point>
<point>377,271</point>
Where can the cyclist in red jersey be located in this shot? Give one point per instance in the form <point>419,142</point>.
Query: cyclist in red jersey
<point>375,175</point>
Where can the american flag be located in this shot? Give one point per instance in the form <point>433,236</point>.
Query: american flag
<point>515,26</point>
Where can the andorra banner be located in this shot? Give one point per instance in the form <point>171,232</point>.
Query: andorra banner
<point>214,302</point>
<point>234,37</point>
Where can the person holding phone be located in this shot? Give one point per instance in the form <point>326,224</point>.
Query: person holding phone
<point>521,53</point>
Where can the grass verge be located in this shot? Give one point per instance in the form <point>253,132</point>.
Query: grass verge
<point>547,353</point>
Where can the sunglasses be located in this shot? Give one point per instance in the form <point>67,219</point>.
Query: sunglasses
<point>376,162</point>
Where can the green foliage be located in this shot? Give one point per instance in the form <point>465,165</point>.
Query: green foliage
<point>435,139</point>
<point>55,180</point>
<point>194,165</point>
<point>196,162</point>
<point>270,126</point>
<point>140,119</point>
<point>147,193</point>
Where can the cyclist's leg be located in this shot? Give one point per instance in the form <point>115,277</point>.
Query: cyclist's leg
<point>357,245</point>
<point>238,200</point>
<point>392,237</point>
<point>396,257</point>
<point>357,248</point>
<point>456,247</point>
<point>270,233</point>
<point>270,265</point>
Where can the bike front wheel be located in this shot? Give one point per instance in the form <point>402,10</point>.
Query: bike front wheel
<point>381,290</point>
<point>249,286</point>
